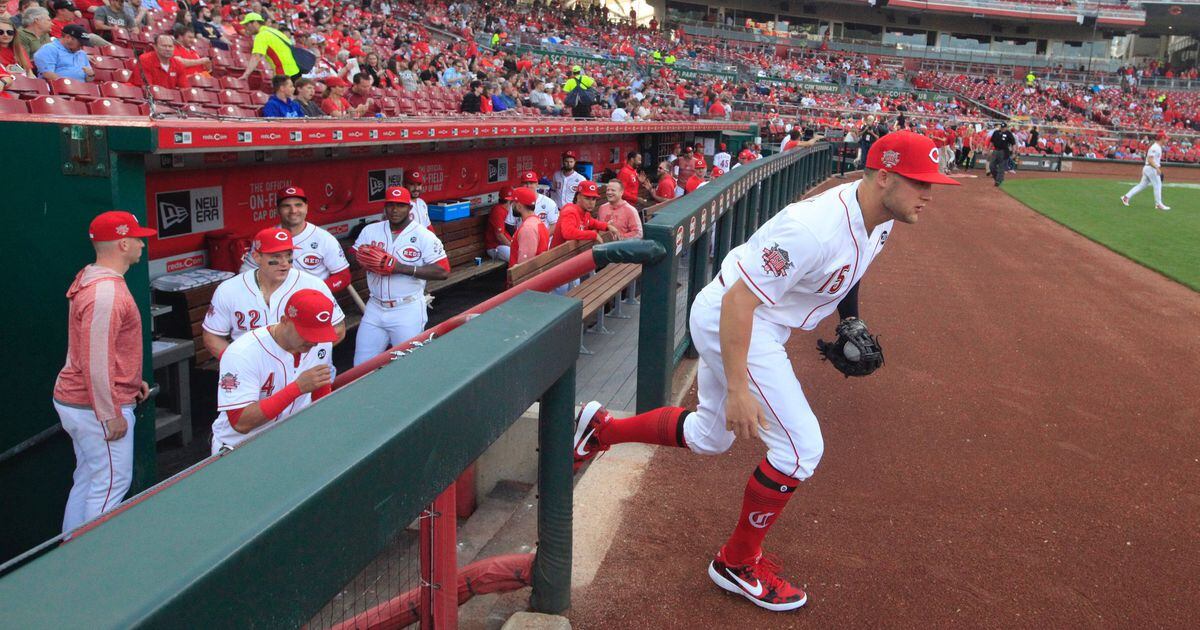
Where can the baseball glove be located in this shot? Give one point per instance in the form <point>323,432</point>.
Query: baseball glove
<point>855,352</point>
<point>375,258</point>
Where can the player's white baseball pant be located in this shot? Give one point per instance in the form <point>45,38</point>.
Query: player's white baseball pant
<point>1150,178</point>
<point>794,443</point>
<point>384,326</point>
<point>500,252</point>
<point>103,470</point>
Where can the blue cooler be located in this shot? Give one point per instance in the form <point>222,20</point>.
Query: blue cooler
<point>449,210</point>
<point>584,168</point>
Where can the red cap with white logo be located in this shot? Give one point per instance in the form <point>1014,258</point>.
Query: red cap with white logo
<point>397,194</point>
<point>292,191</point>
<point>717,172</point>
<point>312,315</point>
<point>588,188</point>
<point>529,176</point>
<point>525,196</point>
<point>746,154</point>
<point>414,177</point>
<point>272,240</point>
<point>909,154</point>
<point>115,225</point>
<point>506,193</point>
<point>568,154</point>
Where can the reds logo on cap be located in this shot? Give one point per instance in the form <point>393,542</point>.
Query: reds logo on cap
<point>934,155</point>
<point>289,191</point>
<point>324,316</point>
<point>529,176</point>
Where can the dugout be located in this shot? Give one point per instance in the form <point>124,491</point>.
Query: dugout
<point>191,179</point>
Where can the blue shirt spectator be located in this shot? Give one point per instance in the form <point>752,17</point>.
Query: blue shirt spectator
<point>451,77</point>
<point>279,108</point>
<point>63,58</point>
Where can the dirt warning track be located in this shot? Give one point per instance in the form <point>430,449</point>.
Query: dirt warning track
<point>1029,456</point>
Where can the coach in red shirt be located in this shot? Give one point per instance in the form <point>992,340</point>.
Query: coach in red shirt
<point>160,66</point>
<point>665,190</point>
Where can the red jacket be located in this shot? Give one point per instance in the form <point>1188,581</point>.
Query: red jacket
<point>103,370</point>
<point>628,178</point>
<point>175,76</point>
<point>532,232</point>
<point>575,224</point>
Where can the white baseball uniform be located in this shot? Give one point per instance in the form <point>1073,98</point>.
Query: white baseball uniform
<point>1150,175</point>
<point>562,187</point>
<point>420,210</point>
<point>396,309</point>
<point>317,252</point>
<point>800,264</point>
<point>238,306</point>
<point>721,160</point>
<point>545,209</point>
<point>254,367</point>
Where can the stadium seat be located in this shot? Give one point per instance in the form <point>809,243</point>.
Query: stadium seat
<point>203,81</point>
<point>74,88</point>
<point>234,83</point>
<point>13,106</point>
<point>235,111</point>
<point>196,95</point>
<point>117,51</point>
<point>55,105</point>
<point>26,87</point>
<point>108,107</point>
<point>258,99</point>
<point>123,91</point>
<point>231,97</point>
<point>106,63</point>
<point>122,76</point>
<point>165,95</point>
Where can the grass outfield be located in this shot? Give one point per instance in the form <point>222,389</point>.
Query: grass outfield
<point>1164,241</point>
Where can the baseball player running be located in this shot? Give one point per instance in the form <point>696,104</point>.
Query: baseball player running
<point>317,251</point>
<point>793,272</point>
<point>272,372</point>
<point>565,181</point>
<point>399,255</point>
<point>1151,173</point>
<point>256,298</point>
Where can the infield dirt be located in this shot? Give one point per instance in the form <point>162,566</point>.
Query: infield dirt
<point>1029,456</point>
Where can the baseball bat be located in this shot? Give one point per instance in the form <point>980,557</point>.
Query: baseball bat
<point>358,301</point>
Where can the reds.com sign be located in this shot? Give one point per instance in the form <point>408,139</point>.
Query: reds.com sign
<point>237,200</point>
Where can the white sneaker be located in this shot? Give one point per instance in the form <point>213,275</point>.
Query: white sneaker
<point>1125,200</point>
<point>1159,206</point>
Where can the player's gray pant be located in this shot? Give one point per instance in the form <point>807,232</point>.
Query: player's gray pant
<point>998,164</point>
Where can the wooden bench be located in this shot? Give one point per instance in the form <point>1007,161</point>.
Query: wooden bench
<point>595,292</point>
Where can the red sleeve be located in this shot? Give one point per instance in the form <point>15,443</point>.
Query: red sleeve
<point>338,281</point>
<point>136,79</point>
<point>444,264</point>
<point>592,223</point>
<point>317,394</point>
<point>233,415</point>
<point>182,77</point>
<point>571,228</point>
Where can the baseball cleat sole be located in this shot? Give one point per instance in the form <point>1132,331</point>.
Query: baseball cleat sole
<point>584,421</point>
<point>728,585</point>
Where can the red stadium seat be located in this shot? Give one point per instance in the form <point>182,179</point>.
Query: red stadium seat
<point>196,95</point>
<point>107,107</point>
<point>77,89</point>
<point>122,76</point>
<point>117,51</point>
<point>231,97</point>
<point>123,91</point>
<point>166,95</point>
<point>203,81</point>
<point>13,106</point>
<point>258,99</point>
<point>106,63</point>
<point>55,105</point>
<point>26,87</point>
<point>236,112</point>
<point>235,83</point>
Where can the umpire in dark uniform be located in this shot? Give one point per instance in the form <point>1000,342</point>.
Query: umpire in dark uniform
<point>1003,142</point>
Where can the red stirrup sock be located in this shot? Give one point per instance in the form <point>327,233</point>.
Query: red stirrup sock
<point>767,492</point>
<point>662,426</point>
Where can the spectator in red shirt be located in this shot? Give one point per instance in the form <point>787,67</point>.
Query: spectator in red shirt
<point>185,51</point>
<point>630,176</point>
<point>496,238</point>
<point>64,14</point>
<point>575,220</point>
<point>160,67</point>
<point>665,190</point>
<point>717,110</point>
<point>335,103</point>
<point>360,96</point>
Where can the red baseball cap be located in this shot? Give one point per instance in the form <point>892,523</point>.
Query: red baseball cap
<point>525,196</point>
<point>700,163</point>
<point>115,225</point>
<point>529,176</point>
<point>721,146</point>
<point>335,82</point>
<point>588,188</point>
<point>717,172</point>
<point>293,191</point>
<point>688,147</point>
<point>272,240</point>
<point>506,193</point>
<point>909,154</point>
<point>1162,135</point>
<point>568,154</point>
<point>414,177</point>
<point>746,154</point>
<point>397,194</point>
<point>312,315</point>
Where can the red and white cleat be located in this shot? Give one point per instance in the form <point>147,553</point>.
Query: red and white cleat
<point>1125,200</point>
<point>758,582</point>
<point>592,418</point>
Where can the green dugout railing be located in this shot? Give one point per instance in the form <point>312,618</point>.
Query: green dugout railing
<point>273,530</point>
<point>731,208</point>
